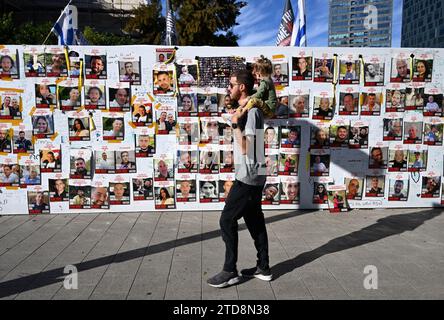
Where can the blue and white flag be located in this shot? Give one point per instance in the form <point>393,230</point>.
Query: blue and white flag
<point>66,25</point>
<point>299,38</point>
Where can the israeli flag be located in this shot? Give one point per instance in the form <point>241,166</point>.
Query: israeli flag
<point>66,26</point>
<point>299,36</point>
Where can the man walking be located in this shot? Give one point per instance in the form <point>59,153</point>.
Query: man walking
<point>244,199</point>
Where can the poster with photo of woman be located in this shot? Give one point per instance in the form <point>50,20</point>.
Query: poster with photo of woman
<point>45,94</point>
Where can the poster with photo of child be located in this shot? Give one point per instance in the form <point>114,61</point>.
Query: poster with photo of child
<point>9,64</point>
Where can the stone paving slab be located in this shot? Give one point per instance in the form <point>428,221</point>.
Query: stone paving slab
<point>170,255</point>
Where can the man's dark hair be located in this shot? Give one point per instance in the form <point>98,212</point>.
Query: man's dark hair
<point>372,95</point>
<point>341,127</point>
<point>246,78</point>
<point>348,94</point>
<point>163,72</point>
<point>80,159</point>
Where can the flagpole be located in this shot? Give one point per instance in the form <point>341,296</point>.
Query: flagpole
<point>50,31</point>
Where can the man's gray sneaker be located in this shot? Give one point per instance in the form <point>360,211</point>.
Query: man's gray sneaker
<point>257,272</point>
<point>224,279</point>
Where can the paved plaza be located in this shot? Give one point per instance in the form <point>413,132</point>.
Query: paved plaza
<point>169,255</point>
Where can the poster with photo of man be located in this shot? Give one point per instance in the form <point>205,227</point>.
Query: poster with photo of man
<point>79,195</point>
<point>400,69</point>
<point>125,161</point>
<point>271,191</point>
<point>58,190</point>
<point>143,188</point>
<point>104,161</point>
<point>95,65</point>
<point>302,67</point>
<point>129,70</point>
<point>145,145</point>
<point>398,188</point>
<point>186,188</point>
<point>38,202</point>
<point>430,185</point>
<point>374,186</point>
<point>119,193</point>
<point>374,72</point>
<point>22,140</point>
<point>354,188</point>
<point>51,160</point>
<point>80,163</point>
<point>349,71</point>
<point>55,62</point>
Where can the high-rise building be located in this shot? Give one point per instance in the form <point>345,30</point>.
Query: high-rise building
<point>360,23</point>
<point>104,15</point>
<point>423,24</point>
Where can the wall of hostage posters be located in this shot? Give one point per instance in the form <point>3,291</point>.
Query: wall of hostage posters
<point>146,128</point>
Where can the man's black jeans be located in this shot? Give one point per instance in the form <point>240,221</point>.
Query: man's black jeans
<point>244,201</point>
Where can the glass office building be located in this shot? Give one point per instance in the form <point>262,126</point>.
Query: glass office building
<point>423,24</point>
<point>360,23</point>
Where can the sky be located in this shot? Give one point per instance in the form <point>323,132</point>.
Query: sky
<point>259,22</point>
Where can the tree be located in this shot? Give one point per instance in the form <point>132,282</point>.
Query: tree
<point>147,23</point>
<point>105,38</point>
<point>202,22</point>
<point>198,22</point>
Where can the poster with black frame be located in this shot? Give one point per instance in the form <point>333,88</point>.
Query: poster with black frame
<point>279,74</point>
<point>354,188</point>
<point>113,126</point>
<point>45,93</point>
<point>38,200</point>
<point>320,195</point>
<point>433,102</point>
<point>414,96</point>
<point>324,67</point>
<point>358,135</point>
<point>349,69</point>
<point>337,199</point>
<point>96,64</point>
<point>187,103</point>
<point>423,67</point>
<point>188,130</point>
<point>79,126</point>
<point>302,66</point>
<point>289,190</point>
<point>145,143</point>
<point>398,187</point>
<point>80,163</point>
<point>187,72</point>
<point>418,157</point>
<point>69,95</point>
<point>9,63</point>
<point>9,171</point>
<point>119,191</point>
<point>104,160</point>
<point>187,159</point>
<point>208,188</point>
<point>288,162</point>
<point>226,181</point>
<point>58,188</point>
<point>186,188</point>
<point>79,194</point>
<point>163,167</point>
<point>119,96</point>
<point>370,101</point>
<point>378,156</point>
<point>431,182</point>
<point>50,158</point>
<point>226,159</point>
<point>164,197</point>
<point>339,133</point>
<point>99,195</point>
<point>142,111</point>
<point>319,135</point>
<point>374,71</point>
<point>11,104</point>
<point>5,138</point>
<point>42,124</point>
<point>413,126</point>
<point>143,187</point>
<point>22,141</point>
<point>209,159</point>
<point>433,131</point>
<point>395,98</point>
<point>319,163</point>
<point>398,155</point>
<point>130,68</point>
<point>55,62</point>
<point>30,174</point>
<point>125,160</point>
<point>323,108</point>
<point>207,102</point>
<point>299,103</point>
<point>400,67</point>
<point>166,121</point>
<point>95,94</point>
<point>348,101</point>
<point>270,193</point>
<point>392,127</point>
<point>34,61</point>
<point>374,185</point>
